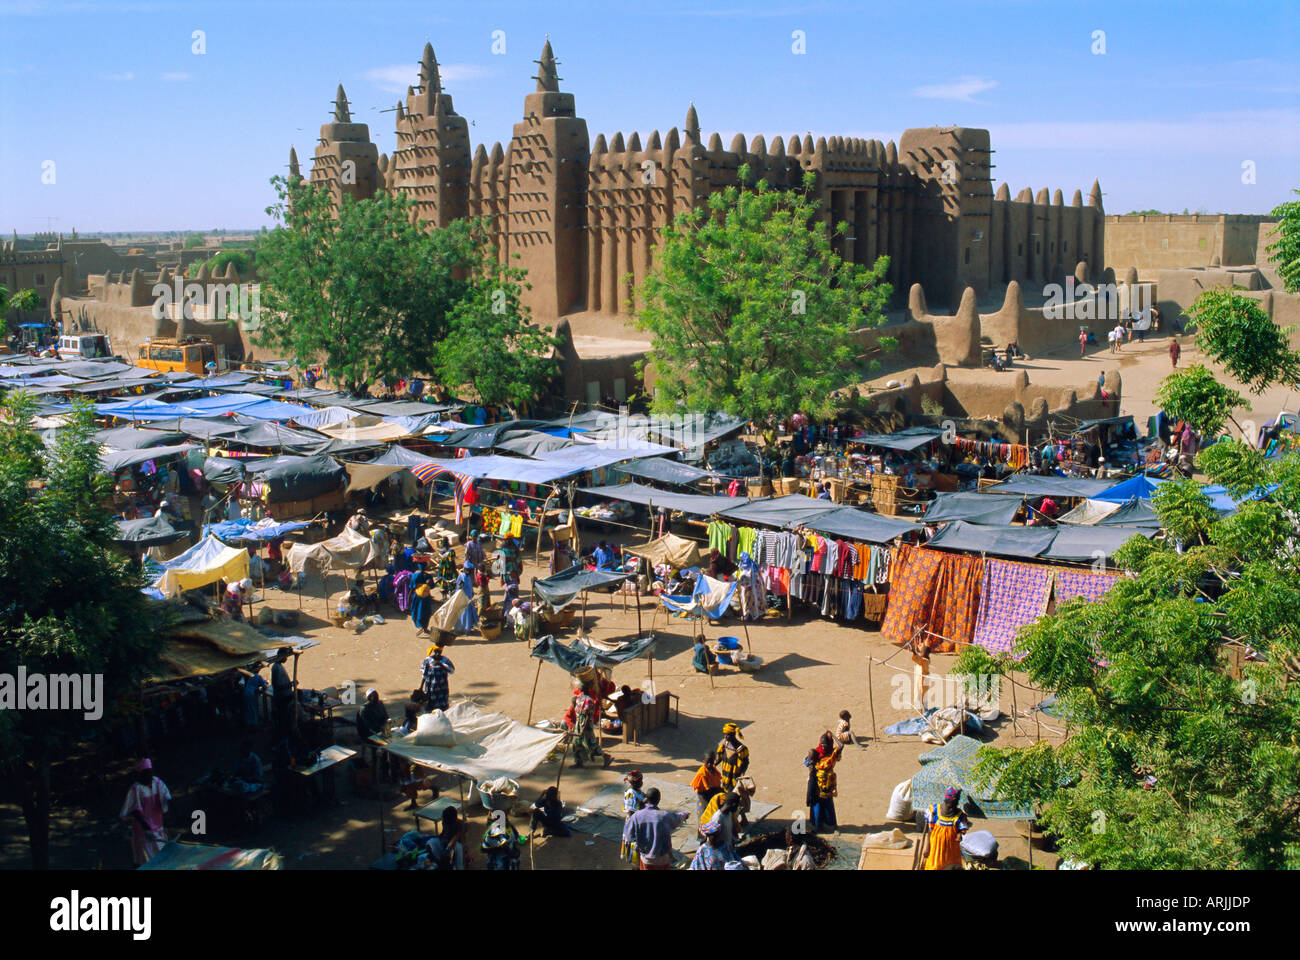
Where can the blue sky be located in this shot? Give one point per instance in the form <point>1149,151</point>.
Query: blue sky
<point>145,134</point>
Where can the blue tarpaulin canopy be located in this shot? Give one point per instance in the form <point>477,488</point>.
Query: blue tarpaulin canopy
<point>250,531</point>
<point>711,598</point>
<point>1140,487</point>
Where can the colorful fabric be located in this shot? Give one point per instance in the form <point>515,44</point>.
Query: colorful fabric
<point>1083,583</point>
<point>945,839</point>
<point>1014,594</point>
<point>957,600</point>
<point>911,592</point>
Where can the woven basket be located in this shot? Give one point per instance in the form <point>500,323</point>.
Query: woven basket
<point>490,629</point>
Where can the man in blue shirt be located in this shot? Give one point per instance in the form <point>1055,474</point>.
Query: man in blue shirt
<point>604,556</point>
<point>650,830</point>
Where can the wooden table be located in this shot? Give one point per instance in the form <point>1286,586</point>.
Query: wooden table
<point>330,757</point>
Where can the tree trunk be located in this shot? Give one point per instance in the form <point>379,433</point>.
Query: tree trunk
<point>36,807</point>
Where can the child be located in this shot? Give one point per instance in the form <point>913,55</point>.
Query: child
<point>843,733</point>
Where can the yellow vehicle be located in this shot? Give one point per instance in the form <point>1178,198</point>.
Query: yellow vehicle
<point>166,355</point>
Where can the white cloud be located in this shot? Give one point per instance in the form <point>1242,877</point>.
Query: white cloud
<point>175,77</point>
<point>396,78</point>
<point>118,77</point>
<point>963,89</point>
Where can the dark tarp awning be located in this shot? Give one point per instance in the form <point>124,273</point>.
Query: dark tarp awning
<point>1025,542</point>
<point>994,509</point>
<point>488,436</point>
<point>578,656</point>
<point>664,471</point>
<point>787,511</point>
<point>695,504</point>
<point>854,524</point>
<point>559,589</point>
<point>1135,514</point>
<point>1085,544</point>
<point>115,460</point>
<point>1032,485</point>
<point>148,532</point>
<point>133,438</point>
<point>530,443</point>
<point>903,440</point>
<point>300,478</point>
<point>276,436</point>
<point>225,469</point>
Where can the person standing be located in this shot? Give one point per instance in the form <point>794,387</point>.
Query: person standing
<point>707,783</point>
<point>824,787</point>
<point>435,671</point>
<point>145,805</point>
<point>474,551</point>
<point>281,693</point>
<point>465,584</point>
<point>421,599</point>
<point>941,843</point>
<point>650,832</point>
<point>586,720</point>
<point>254,684</point>
<point>1083,343</point>
<point>1175,351</point>
<point>731,756</point>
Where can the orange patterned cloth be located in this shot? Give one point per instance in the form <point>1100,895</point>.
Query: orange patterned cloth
<point>933,591</point>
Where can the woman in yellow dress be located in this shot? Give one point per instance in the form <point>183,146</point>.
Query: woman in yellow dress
<point>941,844</point>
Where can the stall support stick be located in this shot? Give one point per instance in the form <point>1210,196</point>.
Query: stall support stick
<point>537,676</point>
<point>871,697</point>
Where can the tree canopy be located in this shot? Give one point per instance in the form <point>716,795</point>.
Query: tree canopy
<point>1180,684</point>
<point>491,346</point>
<point>17,300</point>
<point>1285,250</point>
<point>69,603</point>
<point>377,296</point>
<point>751,310</point>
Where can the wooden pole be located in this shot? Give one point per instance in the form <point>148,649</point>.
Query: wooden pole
<point>531,696</point>
<point>560,773</point>
<point>637,584</point>
<point>871,697</point>
<point>748,647</point>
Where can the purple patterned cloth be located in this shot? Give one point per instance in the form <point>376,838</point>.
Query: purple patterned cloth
<point>1014,594</point>
<point>1083,583</point>
<point>402,590</point>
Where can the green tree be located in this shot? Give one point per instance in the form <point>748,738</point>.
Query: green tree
<point>1197,396</point>
<point>1233,330</point>
<point>1177,759</point>
<point>491,346</point>
<point>69,603</point>
<point>19,300</point>
<point>1285,250</point>
<point>364,288</point>
<point>750,309</point>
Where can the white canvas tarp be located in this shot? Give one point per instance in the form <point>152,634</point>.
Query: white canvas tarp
<point>445,617</point>
<point>486,745</point>
<point>348,551</point>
